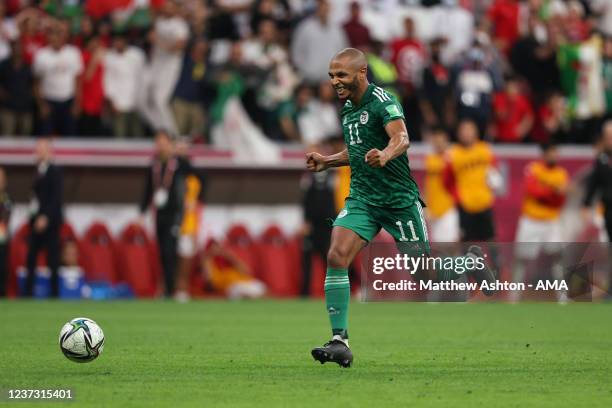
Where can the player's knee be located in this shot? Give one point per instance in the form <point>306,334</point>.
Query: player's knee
<point>338,257</point>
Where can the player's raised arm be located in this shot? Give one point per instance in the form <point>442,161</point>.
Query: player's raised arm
<point>398,144</point>
<point>318,162</point>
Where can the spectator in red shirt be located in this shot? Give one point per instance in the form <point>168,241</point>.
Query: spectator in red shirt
<point>408,56</point>
<point>32,34</point>
<point>577,28</point>
<point>504,16</point>
<point>513,113</point>
<point>92,90</point>
<point>357,33</point>
<point>552,122</point>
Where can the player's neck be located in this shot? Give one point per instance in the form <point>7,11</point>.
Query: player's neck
<point>356,99</point>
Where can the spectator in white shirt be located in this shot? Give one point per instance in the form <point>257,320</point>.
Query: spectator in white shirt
<point>58,68</point>
<point>315,41</point>
<point>8,33</point>
<point>603,11</point>
<point>318,121</point>
<point>169,39</point>
<point>456,25</point>
<point>123,66</point>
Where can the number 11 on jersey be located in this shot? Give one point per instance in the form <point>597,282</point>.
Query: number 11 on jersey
<point>357,140</point>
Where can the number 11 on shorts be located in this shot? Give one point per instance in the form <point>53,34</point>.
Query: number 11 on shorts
<point>412,231</point>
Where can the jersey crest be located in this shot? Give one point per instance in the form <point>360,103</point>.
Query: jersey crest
<point>363,118</point>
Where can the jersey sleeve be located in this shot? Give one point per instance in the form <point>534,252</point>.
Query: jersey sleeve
<point>391,110</point>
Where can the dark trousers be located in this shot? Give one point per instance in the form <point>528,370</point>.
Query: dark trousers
<point>60,120</point>
<point>608,220</point>
<point>167,240</point>
<point>90,125</point>
<point>3,268</point>
<point>317,242</point>
<point>49,240</point>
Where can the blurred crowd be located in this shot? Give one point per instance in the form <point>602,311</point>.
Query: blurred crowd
<point>523,70</point>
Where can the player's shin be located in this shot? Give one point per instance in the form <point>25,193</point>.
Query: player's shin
<point>337,296</point>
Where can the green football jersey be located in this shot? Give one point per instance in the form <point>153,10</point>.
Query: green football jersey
<point>363,127</point>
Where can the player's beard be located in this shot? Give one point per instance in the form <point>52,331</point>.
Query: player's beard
<point>350,88</point>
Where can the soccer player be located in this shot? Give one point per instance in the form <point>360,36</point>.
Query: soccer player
<point>383,193</point>
<point>546,184</point>
<point>442,214</point>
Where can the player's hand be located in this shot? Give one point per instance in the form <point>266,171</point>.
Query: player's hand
<point>41,223</point>
<point>376,158</point>
<point>315,161</point>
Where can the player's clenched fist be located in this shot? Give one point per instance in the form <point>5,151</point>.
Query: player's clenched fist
<point>315,162</point>
<point>376,158</point>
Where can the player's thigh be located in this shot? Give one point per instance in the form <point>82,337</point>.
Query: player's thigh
<point>353,228</point>
<point>407,227</point>
<point>357,217</point>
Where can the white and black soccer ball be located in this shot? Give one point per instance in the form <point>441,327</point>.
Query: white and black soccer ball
<point>81,340</point>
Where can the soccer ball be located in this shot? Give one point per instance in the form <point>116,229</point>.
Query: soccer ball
<point>81,340</point>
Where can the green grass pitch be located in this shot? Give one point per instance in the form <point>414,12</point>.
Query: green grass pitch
<point>243,354</point>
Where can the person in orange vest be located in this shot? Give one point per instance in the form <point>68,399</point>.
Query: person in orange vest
<point>539,229</point>
<point>190,226</point>
<point>442,214</point>
<point>471,176</point>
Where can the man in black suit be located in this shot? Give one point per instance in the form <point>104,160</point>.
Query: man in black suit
<point>45,216</point>
<point>165,192</point>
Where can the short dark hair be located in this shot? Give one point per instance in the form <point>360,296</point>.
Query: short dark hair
<point>438,129</point>
<point>546,146</point>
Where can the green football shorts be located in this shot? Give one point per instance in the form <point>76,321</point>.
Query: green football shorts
<point>406,225</point>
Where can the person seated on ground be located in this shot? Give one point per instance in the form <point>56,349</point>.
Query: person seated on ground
<point>70,257</point>
<point>228,274</point>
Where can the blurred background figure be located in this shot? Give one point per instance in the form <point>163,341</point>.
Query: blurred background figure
<point>169,39</point>
<point>58,68</point>
<point>409,55</point>
<point>469,163</point>
<point>474,85</point>
<point>539,230</point>
<point>16,94</point>
<point>319,210</point>
<point>188,239</point>
<point>436,88</point>
<point>357,34</point>
<point>123,78</point>
<point>46,215</point>
<point>315,40</point>
<point>164,192</point>
<point>228,274</point>
<point>318,119</point>
<point>600,181</point>
<point>6,207</point>
<point>192,92</point>
<point>443,218</point>
<point>513,115</point>
<point>92,88</point>
<point>9,31</point>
